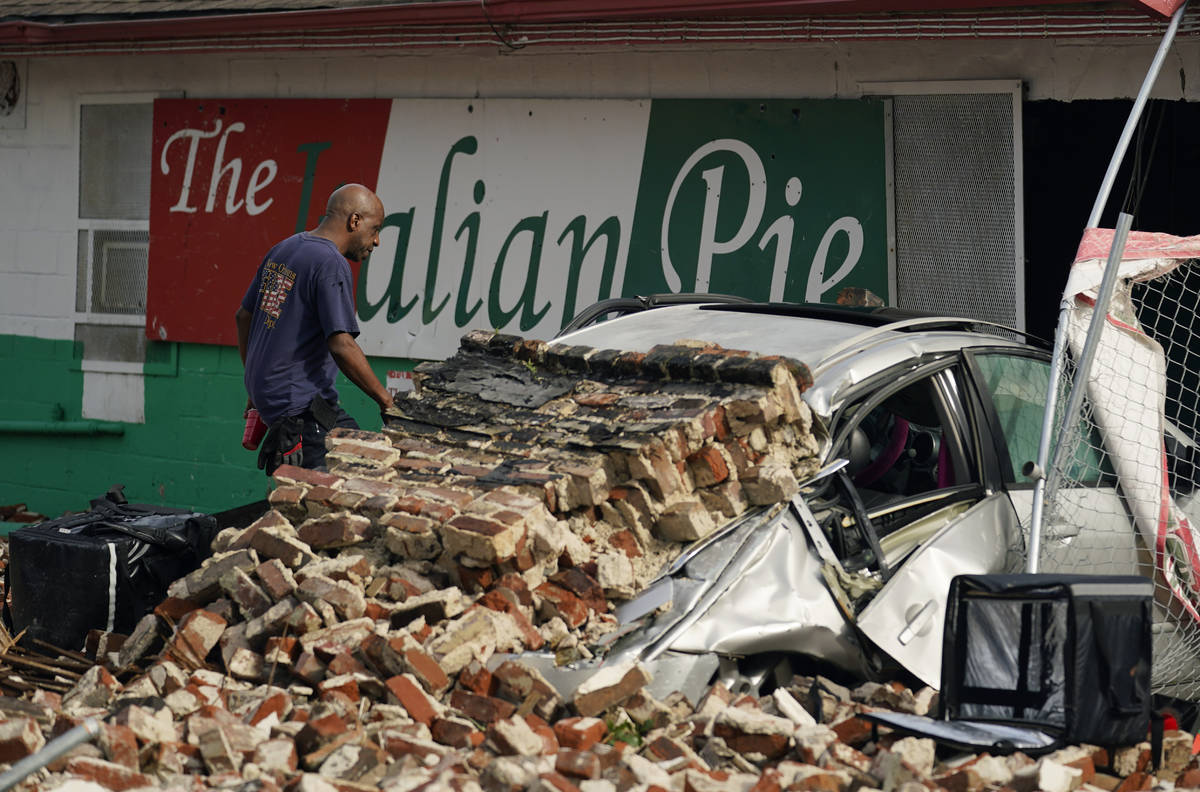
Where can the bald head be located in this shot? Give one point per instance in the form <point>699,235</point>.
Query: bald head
<point>353,219</point>
<point>350,198</point>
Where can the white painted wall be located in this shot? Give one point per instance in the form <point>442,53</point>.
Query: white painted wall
<point>38,164</point>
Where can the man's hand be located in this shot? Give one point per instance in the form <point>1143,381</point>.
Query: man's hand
<point>353,363</point>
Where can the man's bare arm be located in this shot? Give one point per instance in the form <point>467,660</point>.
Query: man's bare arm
<point>353,363</point>
<point>243,317</point>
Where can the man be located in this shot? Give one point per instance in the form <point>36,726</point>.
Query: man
<point>296,327</point>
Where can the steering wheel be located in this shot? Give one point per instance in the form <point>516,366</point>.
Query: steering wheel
<point>897,442</point>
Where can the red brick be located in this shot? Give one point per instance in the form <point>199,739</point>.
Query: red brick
<point>414,464</point>
<point>477,679</point>
<point>515,586</point>
<point>484,709</point>
<point>563,604</point>
<point>318,732</point>
<point>335,530</point>
<point>1086,766</point>
<point>593,702</point>
<point>442,512</point>
<point>496,601</point>
<point>771,746</point>
<point>172,609</point>
<point>290,474</point>
<point>281,649</point>
<point>525,687</point>
<point>277,704</point>
<point>708,467</point>
<point>543,730</point>
<point>400,745</point>
<point>600,399</point>
<point>1135,782</point>
<point>343,662</point>
<point>580,733</point>
<point>308,668</point>
<point>343,685</point>
<point>196,635</point>
<point>108,774</point>
<point>314,759</point>
<point>853,731</point>
<point>21,737</point>
<point>818,782</point>
<point>455,733</point>
<point>663,749</point>
<point>275,578</point>
<point>582,585</point>
<point>410,696</point>
<point>427,671</point>
<point>577,764</point>
<point>457,497</point>
<point>627,543</point>
<point>475,579</point>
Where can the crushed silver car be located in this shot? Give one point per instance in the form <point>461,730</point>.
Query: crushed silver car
<point>925,424</point>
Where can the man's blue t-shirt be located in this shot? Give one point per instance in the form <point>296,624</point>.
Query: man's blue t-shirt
<point>301,295</point>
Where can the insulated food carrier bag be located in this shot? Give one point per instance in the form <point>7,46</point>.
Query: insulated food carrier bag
<point>1034,662</point>
<point>103,569</point>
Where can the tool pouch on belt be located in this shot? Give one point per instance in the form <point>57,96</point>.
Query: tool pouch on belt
<point>325,413</point>
<point>282,445</point>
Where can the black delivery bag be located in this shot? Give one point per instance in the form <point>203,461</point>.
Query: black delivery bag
<point>1037,661</point>
<point>1069,654</point>
<point>102,569</point>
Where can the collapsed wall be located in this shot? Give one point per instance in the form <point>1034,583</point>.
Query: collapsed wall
<point>540,482</point>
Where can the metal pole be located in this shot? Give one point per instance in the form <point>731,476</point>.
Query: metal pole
<point>1039,470</point>
<point>1135,114</point>
<point>53,750</point>
<point>1095,328</point>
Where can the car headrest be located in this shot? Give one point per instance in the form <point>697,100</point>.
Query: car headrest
<point>858,451</point>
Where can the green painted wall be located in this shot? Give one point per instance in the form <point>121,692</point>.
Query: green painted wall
<point>187,454</point>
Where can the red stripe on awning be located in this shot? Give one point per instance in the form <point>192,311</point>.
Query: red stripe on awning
<point>461,18</point>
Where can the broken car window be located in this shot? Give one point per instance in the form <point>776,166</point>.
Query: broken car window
<point>1017,385</point>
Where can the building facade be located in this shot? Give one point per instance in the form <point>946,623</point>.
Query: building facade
<point>529,165</point>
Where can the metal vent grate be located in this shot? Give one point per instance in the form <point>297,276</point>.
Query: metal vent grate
<point>114,161</point>
<point>118,269</point>
<point>956,238</point>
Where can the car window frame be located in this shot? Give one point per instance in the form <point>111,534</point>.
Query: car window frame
<point>960,407</point>
<point>992,416</point>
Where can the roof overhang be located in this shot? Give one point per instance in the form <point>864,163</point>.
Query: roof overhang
<point>457,23</point>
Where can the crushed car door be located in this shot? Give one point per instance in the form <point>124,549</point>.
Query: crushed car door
<point>972,530</point>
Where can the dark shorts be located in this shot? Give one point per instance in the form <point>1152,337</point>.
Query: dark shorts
<point>300,439</point>
<point>313,434</point>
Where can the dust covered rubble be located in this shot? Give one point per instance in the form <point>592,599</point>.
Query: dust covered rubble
<point>355,637</point>
<point>502,731</point>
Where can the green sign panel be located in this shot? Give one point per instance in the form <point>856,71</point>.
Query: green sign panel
<point>773,199</point>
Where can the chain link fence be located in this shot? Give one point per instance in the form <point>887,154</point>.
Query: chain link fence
<point>1124,493</point>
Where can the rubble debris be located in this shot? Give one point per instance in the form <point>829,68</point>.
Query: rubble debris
<point>358,636</point>
<point>19,513</point>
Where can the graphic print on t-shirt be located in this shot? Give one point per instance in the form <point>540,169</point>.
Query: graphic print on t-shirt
<point>277,282</point>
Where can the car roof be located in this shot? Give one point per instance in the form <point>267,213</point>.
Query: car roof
<point>812,334</point>
<point>765,334</point>
<point>840,346</point>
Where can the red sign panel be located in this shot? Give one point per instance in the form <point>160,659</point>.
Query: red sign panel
<point>232,177</point>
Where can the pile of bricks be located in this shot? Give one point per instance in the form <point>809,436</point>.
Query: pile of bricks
<point>494,732</point>
<point>365,632</point>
